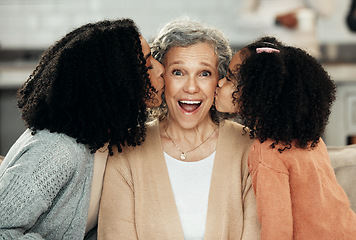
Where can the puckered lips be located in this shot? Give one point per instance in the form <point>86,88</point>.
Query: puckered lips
<point>189,106</point>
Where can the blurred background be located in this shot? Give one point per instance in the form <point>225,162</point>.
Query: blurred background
<point>27,27</point>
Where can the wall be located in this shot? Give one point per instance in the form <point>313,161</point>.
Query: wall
<point>342,121</point>
<point>11,125</point>
<point>35,24</point>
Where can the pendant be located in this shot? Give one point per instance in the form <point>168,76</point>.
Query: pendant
<point>183,156</point>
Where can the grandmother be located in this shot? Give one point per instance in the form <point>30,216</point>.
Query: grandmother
<point>188,180</point>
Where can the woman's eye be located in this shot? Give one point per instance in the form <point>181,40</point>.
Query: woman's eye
<point>177,72</point>
<point>205,74</point>
<point>228,79</point>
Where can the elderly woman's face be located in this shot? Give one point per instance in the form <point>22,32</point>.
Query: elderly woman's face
<point>155,71</point>
<point>190,80</point>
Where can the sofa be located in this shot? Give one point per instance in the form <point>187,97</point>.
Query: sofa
<point>343,160</point>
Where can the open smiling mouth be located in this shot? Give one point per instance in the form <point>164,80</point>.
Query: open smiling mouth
<point>189,106</point>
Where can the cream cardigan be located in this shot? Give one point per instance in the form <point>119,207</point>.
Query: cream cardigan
<point>138,202</point>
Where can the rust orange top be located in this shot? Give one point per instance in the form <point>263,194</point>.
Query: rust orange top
<point>298,196</point>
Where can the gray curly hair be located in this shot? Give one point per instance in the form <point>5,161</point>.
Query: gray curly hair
<point>184,32</point>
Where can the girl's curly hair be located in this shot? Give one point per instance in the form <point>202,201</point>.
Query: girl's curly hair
<point>91,85</point>
<point>285,96</point>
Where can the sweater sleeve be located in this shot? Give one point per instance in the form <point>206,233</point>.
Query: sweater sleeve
<point>274,207</point>
<point>117,210</point>
<point>28,188</point>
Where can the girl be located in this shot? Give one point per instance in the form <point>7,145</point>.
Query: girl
<point>283,96</point>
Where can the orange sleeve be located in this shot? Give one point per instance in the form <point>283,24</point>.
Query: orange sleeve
<point>273,199</point>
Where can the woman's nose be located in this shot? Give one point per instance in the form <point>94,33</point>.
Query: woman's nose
<point>191,85</point>
<point>159,67</point>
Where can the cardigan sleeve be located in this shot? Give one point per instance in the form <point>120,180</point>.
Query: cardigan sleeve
<point>117,210</point>
<point>29,186</point>
<point>251,225</point>
<point>274,207</point>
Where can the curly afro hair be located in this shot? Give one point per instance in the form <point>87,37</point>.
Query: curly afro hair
<point>285,96</point>
<point>91,85</point>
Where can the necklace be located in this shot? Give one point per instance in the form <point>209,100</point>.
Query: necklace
<point>183,155</point>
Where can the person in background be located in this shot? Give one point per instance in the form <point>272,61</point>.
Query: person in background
<point>351,17</point>
<point>87,95</point>
<point>187,180</point>
<point>292,21</point>
<point>283,96</point>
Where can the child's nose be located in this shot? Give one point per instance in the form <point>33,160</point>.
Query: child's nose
<point>221,82</point>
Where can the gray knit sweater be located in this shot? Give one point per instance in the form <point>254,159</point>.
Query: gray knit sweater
<point>45,186</point>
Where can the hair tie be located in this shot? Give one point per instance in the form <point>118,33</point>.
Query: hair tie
<point>266,49</point>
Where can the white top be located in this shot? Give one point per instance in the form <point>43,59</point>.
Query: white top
<point>190,183</point>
